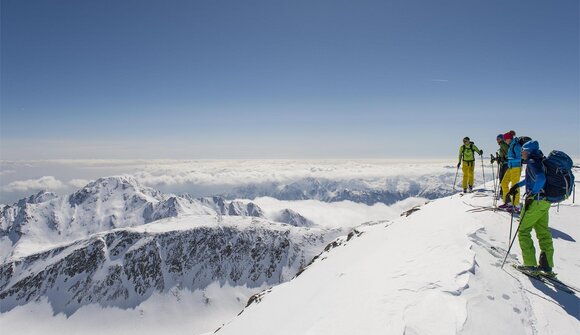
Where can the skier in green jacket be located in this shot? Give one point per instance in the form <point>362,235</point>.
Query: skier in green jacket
<point>501,159</point>
<point>466,154</point>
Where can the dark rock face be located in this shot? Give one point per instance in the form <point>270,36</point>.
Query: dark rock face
<point>293,218</point>
<point>123,268</point>
<point>232,208</point>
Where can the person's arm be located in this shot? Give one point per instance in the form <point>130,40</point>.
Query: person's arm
<point>540,178</point>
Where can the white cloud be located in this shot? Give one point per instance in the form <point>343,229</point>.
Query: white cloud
<point>210,177</point>
<point>345,214</point>
<point>243,172</point>
<point>7,172</point>
<point>43,183</point>
<point>78,183</point>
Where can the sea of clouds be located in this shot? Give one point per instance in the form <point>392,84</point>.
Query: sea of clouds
<point>208,177</point>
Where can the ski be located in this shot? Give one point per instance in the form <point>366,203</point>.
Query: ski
<point>559,282</point>
<point>477,208</point>
<point>539,277</point>
<point>474,206</point>
<point>483,208</point>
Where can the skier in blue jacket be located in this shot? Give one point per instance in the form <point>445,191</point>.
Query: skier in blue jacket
<point>512,175</point>
<point>535,212</point>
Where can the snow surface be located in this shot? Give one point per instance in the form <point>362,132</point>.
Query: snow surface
<point>429,273</point>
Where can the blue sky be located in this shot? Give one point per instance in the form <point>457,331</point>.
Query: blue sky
<point>285,79</point>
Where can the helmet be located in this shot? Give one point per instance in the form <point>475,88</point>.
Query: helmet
<point>531,146</point>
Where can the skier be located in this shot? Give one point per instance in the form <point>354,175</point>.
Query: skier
<point>501,159</point>
<point>535,213</point>
<point>512,175</point>
<point>466,155</point>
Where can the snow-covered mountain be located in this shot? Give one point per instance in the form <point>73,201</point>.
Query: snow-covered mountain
<point>102,205</point>
<point>124,267</point>
<point>293,218</point>
<point>117,244</point>
<point>382,190</point>
<point>436,270</point>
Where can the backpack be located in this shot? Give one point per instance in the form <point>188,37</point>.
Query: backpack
<point>559,176</point>
<point>465,148</point>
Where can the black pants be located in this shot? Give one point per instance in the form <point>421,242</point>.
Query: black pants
<point>502,169</point>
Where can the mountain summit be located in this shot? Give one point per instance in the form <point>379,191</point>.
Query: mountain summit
<point>435,271</point>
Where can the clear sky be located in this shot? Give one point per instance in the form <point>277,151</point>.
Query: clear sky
<point>285,79</point>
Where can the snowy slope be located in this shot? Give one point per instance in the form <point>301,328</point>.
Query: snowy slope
<point>432,272</point>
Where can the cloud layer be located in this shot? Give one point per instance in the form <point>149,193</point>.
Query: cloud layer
<point>43,183</point>
<point>209,177</point>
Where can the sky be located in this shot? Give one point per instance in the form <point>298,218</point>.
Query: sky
<point>284,79</point>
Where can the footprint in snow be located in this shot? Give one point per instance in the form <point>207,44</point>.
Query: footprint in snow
<point>506,297</point>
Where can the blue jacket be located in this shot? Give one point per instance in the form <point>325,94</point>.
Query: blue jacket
<point>514,154</point>
<point>535,177</point>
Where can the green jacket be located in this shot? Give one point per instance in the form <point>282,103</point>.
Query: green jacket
<point>466,152</point>
<point>503,151</point>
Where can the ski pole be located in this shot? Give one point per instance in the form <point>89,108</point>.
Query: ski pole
<point>511,225</point>
<point>499,191</point>
<point>494,185</point>
<point>455,180</point>
<point>483,171</point>
<point>514,239</point>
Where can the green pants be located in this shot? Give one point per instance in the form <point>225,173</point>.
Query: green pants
<point>536,217</point>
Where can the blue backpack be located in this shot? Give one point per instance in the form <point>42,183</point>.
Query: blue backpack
<point>559,176</point>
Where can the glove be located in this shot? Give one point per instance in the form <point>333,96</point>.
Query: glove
<point>528,202</point>
<point>493,159</point>
<point>480,152</point>
<point>458,165</point>
<point>512,192</point>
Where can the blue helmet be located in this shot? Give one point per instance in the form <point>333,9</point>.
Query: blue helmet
<point>531,147</point>
<point>500,137</point>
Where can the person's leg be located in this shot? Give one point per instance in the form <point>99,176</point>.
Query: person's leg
<point>543,232</point>
<point>505,184</point>
<point>515,178</point>
<point>471,174</point>
<point>502,170</point>
<point>529,219</point>
<point>465,170</point>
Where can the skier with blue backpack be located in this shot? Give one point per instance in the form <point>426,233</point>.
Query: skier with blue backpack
<point>547,180</point>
